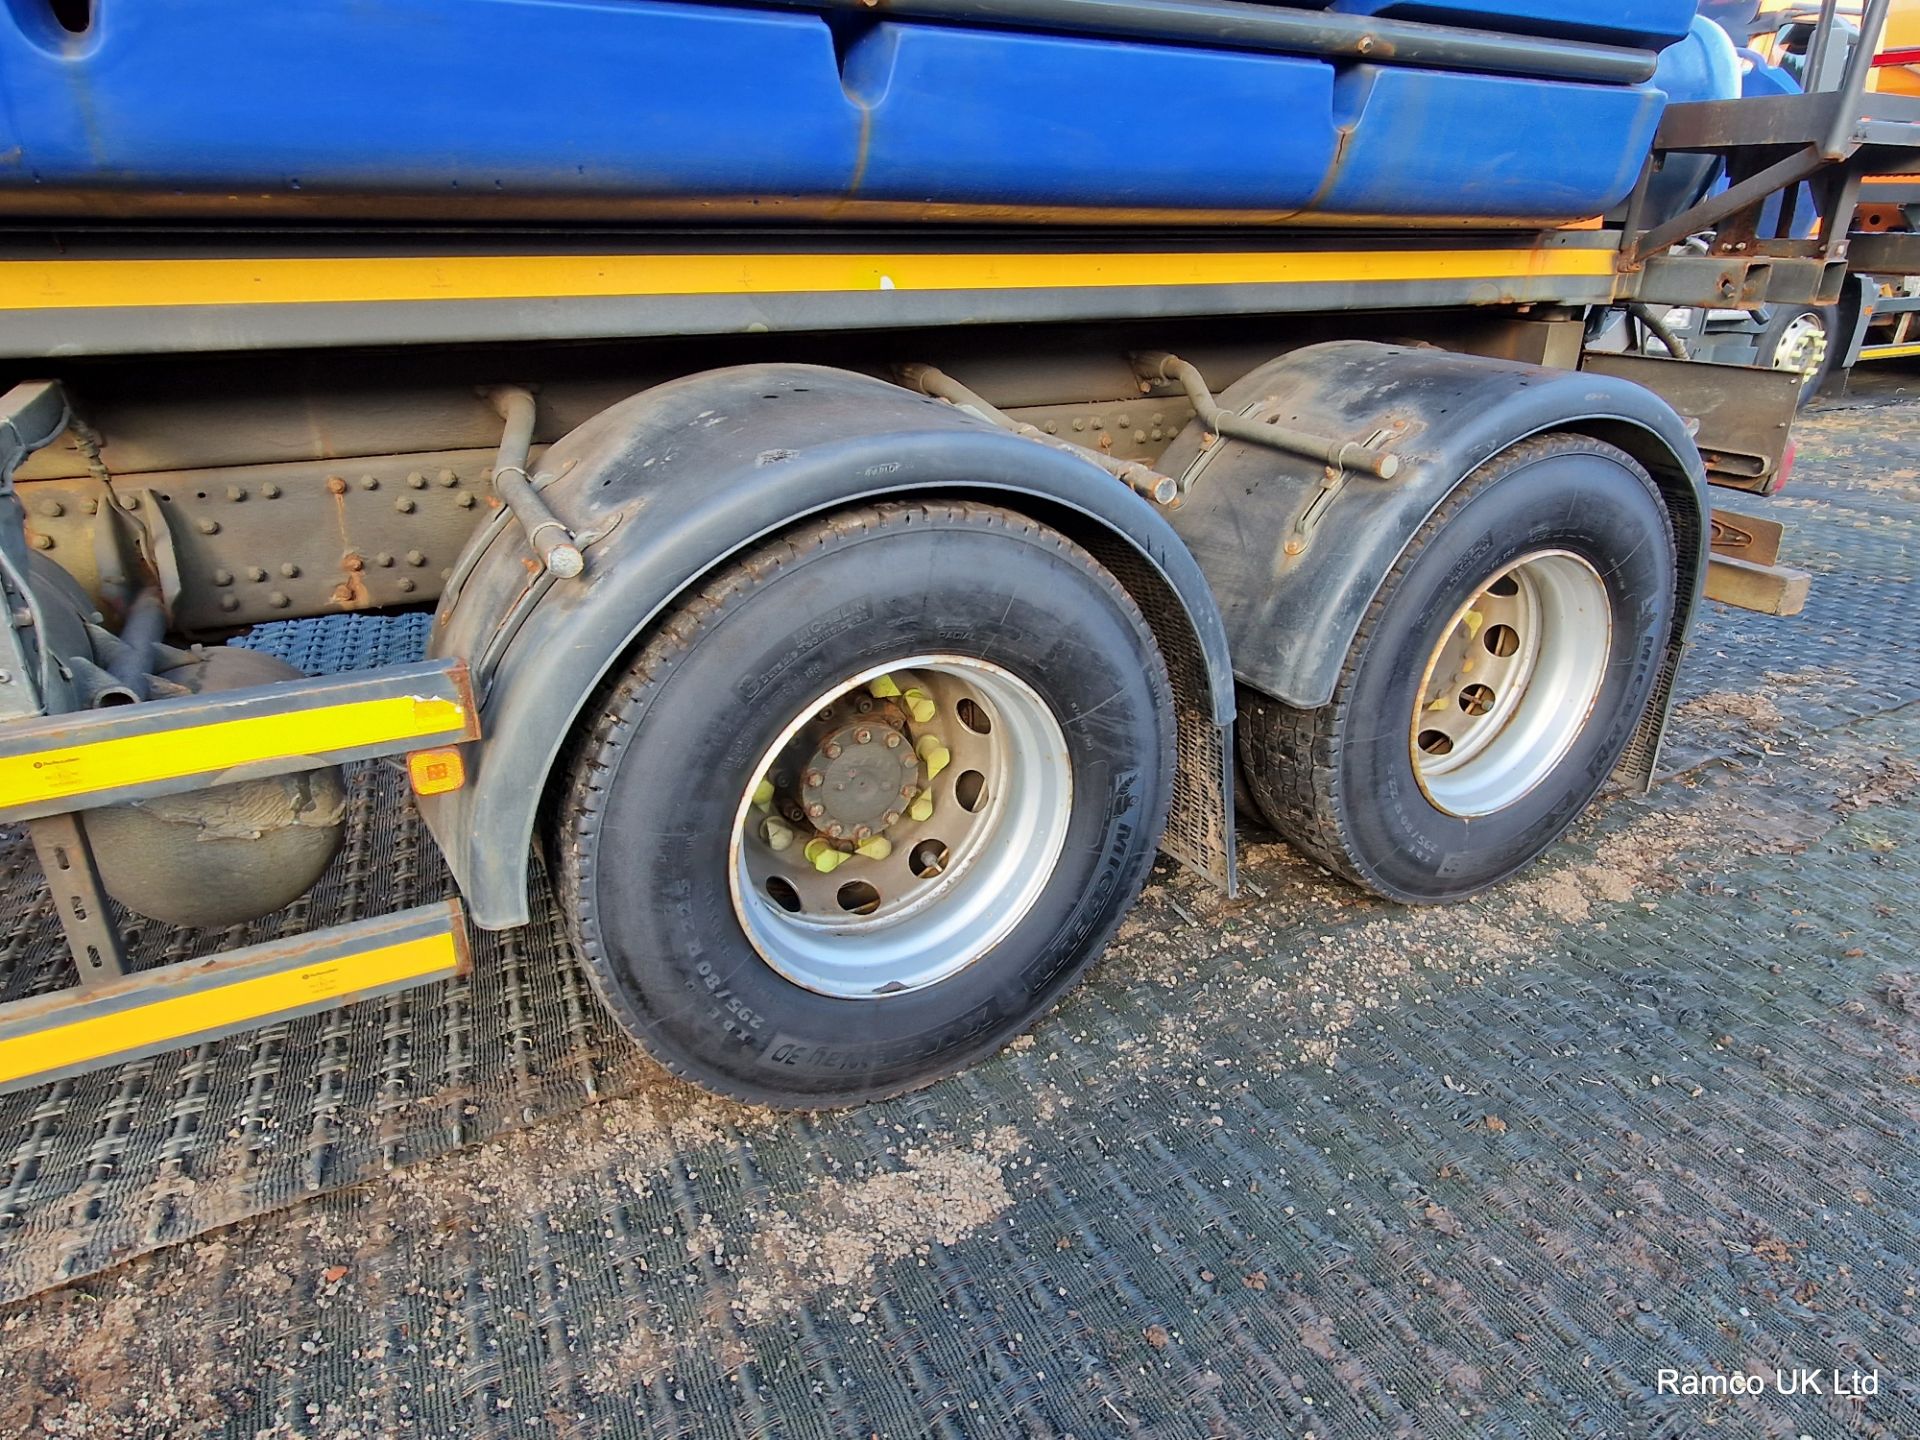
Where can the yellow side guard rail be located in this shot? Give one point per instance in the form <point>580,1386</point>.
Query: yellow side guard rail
<point>61,763</point>
<point>68,1032</point>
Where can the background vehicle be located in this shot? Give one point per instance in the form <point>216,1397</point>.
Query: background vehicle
<point>876,480</point>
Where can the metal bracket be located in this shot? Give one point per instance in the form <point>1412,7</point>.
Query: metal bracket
<point>86,915</point>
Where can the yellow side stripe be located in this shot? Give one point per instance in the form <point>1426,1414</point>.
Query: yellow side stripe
<point>96,284</point>
<point>1888,352</point>
<point>39,776</point>
<point>217,1008</point>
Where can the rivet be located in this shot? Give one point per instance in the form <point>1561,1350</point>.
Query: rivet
<point>1140,437</point>
<point>467,502</point>
<point>90,507</point>
<point>448,478</point>
<point>1123,422</point>
<point>229,602</point>
<point>1080,424</point>
<point>403,505</point>
<point>223,577</point>
<point>414,557</point>
<point>1098,423</point>
<point>1053,427</point>
<point>337,484</point>
<point>129,502</point>
<point>383,558</point>
<point>43,542</point>
<point>208,527</point>
<point>255,573</point>
<point>416,480</point>
<point>236,493</point>
<point>369,482</point>
<point>52,509</point>
<point>277,600</point>
<point>406,582</point>
<point>290,570</point>
<point>271,491</point>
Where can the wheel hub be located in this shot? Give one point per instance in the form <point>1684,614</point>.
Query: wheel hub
<point>1510,683</point>
<point>860,779</point>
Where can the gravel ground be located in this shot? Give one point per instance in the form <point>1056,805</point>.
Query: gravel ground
<point>1300,1164</point>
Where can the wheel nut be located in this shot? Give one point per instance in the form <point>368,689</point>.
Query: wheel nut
<point>890,819</point>
<point>815,778</point>
<point>861,832</point>
<point>893,740</point>
<point>862,736</point>
<point>816,810</point>
<point>832,751</point>
<point>836,829</point>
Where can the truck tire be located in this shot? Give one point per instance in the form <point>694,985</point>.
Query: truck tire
<point>867,804</point>
<point>1495,681</point>
<point>1800,338</point>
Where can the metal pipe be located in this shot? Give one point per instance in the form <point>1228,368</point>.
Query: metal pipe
<point>1345,454</point>
<point>1663,332</point>
<point>1853,84</point>
<point>140,635</point>
<point>1142,479</point>
<point>551,540</point>
<point>1233,24</point>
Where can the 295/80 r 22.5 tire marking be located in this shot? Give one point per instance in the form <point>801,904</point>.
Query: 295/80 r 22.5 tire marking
<point>673,740</point>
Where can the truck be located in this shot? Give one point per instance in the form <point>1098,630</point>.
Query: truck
<point>868,477</point>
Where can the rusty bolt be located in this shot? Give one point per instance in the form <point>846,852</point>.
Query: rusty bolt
<point>278,600</point>
<point>290,570</point>
<point>256,574</point>
<point>229,602</point>
<point>816,809</point>
<point>369,482</point>
<point>403,505</point>
<point>862,736</point>
<point>236,493</point>
<point>416,480</point>
<point>416,557</point>
<point>353,562</point>
<point>337,484</point>
<point>893,739</point>
<point>272,492</point>
<point>223,577</point>
<point>208,527</point>
<point>1295,546</point>
<point>815,778</point>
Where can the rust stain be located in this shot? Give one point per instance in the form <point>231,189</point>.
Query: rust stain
<point>351,592</point>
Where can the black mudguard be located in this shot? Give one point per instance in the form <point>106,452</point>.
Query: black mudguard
<point>1295,552</point>
<point>674,482</point>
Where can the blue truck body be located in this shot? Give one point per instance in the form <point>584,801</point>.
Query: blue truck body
<point>613,108</point>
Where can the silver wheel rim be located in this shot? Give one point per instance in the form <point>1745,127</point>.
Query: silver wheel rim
<point>1511,683</point>
<point>1802,346</point>
<point>868,867</point>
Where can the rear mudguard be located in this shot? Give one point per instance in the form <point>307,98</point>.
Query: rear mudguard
<point>1296,551</point>
<point>670,484</point>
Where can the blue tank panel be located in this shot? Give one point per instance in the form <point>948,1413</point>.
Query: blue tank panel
<point>602,104</point>
<point>427,95</point>
<point>1533,145</point>
<point>1001,118</point>
<point>1650,23</point>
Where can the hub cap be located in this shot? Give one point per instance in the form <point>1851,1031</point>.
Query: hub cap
<point>1511,683</point>
<point>901,826</point>
<point>1802,346</point>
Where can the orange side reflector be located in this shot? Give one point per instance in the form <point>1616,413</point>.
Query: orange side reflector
<point>435,772</point>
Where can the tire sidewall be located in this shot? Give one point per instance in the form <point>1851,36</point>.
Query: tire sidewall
<point>656,908</point>
<point>1593,502</point>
